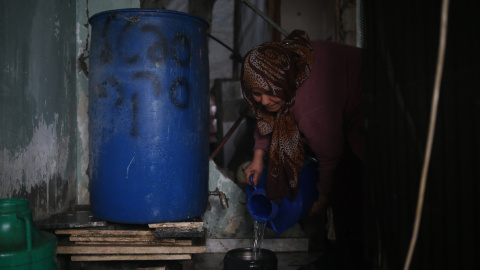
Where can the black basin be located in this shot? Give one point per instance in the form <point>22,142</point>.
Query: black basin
<point>242,258</point>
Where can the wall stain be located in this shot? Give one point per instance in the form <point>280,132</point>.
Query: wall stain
<point>35,171</point>
<point>47,198</point>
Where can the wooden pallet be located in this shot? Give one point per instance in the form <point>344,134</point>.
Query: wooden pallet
<point>162,241</point>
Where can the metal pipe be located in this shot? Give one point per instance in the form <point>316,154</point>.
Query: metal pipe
<point>229,133</point>
<point>222,196</point>
<point>265,17</point>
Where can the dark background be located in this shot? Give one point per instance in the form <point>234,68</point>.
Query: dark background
<point>401,46</point>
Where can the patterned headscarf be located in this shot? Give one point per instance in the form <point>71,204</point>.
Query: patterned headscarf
<point>279,68</point>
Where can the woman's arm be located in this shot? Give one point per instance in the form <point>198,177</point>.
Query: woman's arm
<point>255,167</point>
<point>262,144</point>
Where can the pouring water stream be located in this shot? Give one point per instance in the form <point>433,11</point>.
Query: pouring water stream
<point>258,233</point>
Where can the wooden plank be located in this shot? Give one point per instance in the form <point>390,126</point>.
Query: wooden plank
<point>158,243</point>
<point>118,239</point>
<point>113,238</point>
<point>177,225</point>
<point>106,232</point>
<point>173,232</point>
<point>130,249</point>
<point>138,257</point>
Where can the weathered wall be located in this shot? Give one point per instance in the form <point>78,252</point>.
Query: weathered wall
<point>37,103</point>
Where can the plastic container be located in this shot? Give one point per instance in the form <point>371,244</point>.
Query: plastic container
<point>22,245</point>
<point>148,116</point>
<point>281,217</point>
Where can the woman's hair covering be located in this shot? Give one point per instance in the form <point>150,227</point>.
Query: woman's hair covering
<point>279,68</point>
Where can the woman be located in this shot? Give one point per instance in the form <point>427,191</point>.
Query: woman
<point>308,92</point>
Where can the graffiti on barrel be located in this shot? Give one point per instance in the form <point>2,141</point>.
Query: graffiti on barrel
<point>146,61</point>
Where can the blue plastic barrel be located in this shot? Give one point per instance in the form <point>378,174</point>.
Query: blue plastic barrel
<point>281,217</point>
<point>148,116</point>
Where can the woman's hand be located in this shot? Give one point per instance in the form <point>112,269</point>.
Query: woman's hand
<point>255,167</point>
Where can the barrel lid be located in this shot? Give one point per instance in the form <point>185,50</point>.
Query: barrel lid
<point>135,13</point>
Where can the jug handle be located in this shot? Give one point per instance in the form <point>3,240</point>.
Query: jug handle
<point>251,181</point>
<point>29,232</point>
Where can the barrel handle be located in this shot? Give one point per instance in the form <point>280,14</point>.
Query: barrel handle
<point>29,232</point>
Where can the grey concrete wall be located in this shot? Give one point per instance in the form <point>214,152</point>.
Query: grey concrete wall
<point>322,19</point>
<point>317,18</point>
<point>38,103</point>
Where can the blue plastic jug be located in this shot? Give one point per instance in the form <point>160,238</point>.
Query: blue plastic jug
<point>281,217</point>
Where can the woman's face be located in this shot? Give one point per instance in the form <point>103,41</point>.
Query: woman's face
<point>270,103</point>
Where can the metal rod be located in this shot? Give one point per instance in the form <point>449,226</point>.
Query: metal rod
<point>265,17</point>
<point>229,133</point>
<point>235,55</point>
<point>221,43</point>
